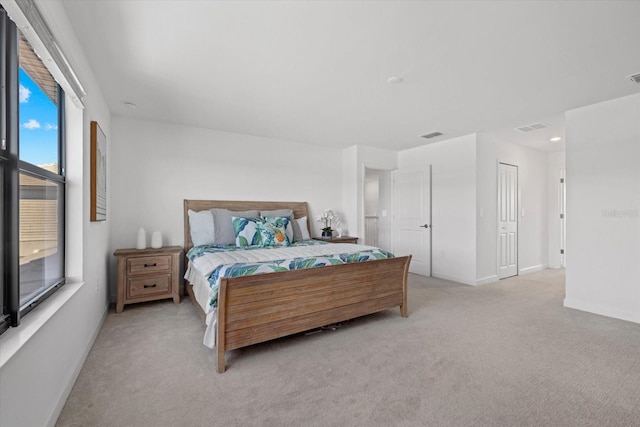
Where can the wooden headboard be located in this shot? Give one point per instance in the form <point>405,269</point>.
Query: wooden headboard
<point>299,210</point>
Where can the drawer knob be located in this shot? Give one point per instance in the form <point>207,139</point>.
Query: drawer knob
<point>150,265</point>
<point>150,286</point>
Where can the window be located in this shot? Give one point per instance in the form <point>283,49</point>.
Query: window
<point>32,180</point>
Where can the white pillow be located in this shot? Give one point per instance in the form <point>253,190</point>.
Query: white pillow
<point>201,227</point>
<point>301,226</point>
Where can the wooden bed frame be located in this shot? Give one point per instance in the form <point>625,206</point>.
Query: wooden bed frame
<point>254,309</point>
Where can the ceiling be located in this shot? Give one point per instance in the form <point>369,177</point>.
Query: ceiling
<point>316,72</point>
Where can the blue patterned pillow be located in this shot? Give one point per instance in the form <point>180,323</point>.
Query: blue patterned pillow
<point>246,231</point>
<point>273,231</point>
<point>285,213</point>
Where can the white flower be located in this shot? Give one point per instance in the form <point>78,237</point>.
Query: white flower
<point>329,216</point>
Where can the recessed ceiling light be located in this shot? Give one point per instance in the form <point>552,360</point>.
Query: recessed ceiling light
<point>130,105</point>
<point>394,80</point>
<point>555,139</point>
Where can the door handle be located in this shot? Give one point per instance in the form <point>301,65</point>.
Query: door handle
<point>424,226</point>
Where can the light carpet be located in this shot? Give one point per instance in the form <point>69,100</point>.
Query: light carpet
<point>502,354</point>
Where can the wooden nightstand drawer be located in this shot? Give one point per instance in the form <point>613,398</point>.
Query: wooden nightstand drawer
<point>149,265</point>
<point>148,285</point>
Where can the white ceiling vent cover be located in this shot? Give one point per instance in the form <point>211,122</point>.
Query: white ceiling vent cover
<point>431,135</point>
<point>531,127</point>
<point>635,78</point>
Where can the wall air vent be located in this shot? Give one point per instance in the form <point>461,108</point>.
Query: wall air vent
<point>431,135</point>
<point>531,127</point>
<point>635,78</point>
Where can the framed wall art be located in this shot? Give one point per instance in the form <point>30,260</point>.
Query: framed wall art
<point>98,173</point>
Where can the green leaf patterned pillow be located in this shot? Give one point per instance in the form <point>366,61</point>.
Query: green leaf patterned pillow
<point>273,231</point>
<point>246,231</point>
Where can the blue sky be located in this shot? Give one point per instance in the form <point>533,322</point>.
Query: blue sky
<point>38,124</point>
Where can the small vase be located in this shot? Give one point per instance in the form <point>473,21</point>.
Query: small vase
<point>327,233</point>
<point>156,240</point>
<point>141,242</point>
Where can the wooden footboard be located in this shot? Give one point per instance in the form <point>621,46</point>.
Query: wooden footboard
<point>253,309</point>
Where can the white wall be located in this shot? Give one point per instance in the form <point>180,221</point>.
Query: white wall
<point>350,190</point>
<point>36,381</point>
<point>157,165</point>
<point>603,208</point>
<point>532,188</point>
<point>385,209</point>
<point>555,163</point>
<point>453,206</point>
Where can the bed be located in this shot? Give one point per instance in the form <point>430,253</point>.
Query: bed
<point>256,308</point>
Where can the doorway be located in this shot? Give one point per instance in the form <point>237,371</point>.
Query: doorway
<point>377,208</point>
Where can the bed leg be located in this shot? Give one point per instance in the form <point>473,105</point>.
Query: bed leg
<point>403,307</point>
<point>220,366</point>
<point>221,326</point>
<point>403,311</point>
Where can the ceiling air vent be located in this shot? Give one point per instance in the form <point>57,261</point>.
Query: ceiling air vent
<point>635,78</point>
<point>431,135</point>
<point>531,127</point>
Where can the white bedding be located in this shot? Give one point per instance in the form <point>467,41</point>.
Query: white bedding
<point>200,285</point>
<point>201,294</point>
<point>207,263</point>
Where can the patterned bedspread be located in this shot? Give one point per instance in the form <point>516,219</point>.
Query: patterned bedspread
<point>216,262</point>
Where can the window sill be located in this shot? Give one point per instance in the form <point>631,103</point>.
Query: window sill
<point>15,338</point>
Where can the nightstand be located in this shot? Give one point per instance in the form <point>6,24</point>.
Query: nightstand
<point>147,275</point>
<point>335,239</point>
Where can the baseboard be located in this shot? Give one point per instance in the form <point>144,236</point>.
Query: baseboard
<point>523,271</point>
<point>72,380</point>
<point>533,269</point>
<point>602,310</point>
<point>453,278</point>
<point>487,280</point>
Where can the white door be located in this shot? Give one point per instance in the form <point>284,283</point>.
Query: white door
<point>412,218</point>
<point>507,220</point>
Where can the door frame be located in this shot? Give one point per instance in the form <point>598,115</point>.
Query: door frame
<point>562,208</point>
<point>431,220</point>
<point>498,163</point>
<point>360,191</point>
